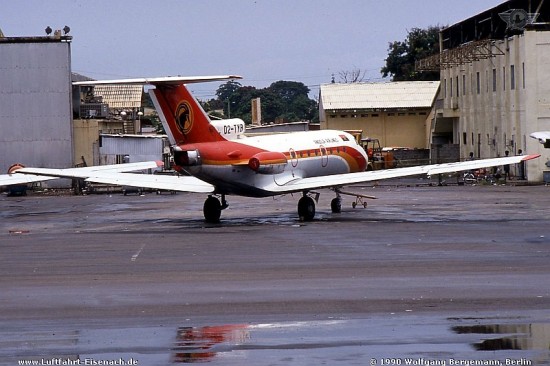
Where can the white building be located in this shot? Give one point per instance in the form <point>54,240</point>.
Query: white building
<point>495,83</point>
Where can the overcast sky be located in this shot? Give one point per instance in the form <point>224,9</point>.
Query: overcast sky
<point>262,40</point>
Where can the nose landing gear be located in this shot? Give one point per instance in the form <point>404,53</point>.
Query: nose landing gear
<point>212,208</point>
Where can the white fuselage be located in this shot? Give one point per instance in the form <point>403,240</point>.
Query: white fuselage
<point>309,154</point>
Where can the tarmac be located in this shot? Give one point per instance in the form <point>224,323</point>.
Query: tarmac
<point>425,275</point>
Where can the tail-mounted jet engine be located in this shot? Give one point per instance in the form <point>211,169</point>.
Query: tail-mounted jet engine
<point>268,162</point>
<point>185,158</point>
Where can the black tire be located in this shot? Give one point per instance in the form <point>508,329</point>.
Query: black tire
<point>212,210</point>
<point>336,205</point>
<point>306,208</point>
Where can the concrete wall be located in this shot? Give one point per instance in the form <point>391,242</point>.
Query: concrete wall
<point>499,101</point>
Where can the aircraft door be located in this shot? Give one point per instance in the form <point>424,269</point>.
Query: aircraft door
<point>324,156</point>
<point>293,158</point>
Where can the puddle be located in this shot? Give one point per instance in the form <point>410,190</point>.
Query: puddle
<point>415,340</point>
<point>202,344</point>
<point>499,337</point>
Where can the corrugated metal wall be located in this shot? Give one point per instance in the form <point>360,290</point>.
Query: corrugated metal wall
<point>35,105</point>
<point>137,148</point>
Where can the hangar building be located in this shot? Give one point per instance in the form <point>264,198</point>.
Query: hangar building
<point>46,122</point>
<point>35,102</point>
<point>397,113</point>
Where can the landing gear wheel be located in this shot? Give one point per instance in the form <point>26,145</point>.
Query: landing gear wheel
<point>336,205</point>
<point>212,209</point>
<point>306,208</point>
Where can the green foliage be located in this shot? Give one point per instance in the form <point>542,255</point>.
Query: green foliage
<point>420,43</point>
<point>282,101</point>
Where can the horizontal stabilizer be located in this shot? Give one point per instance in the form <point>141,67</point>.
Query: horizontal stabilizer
<point>168,80</point>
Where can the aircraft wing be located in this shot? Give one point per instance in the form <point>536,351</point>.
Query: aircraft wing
<point>154,181</point>
<point>337,180</point>
<point>30,175</point>
<point>17,179</point>
<point>543,137</point>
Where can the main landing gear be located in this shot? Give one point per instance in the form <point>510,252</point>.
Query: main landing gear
<point>212,208</point>
<point>306,204</point>
<point>306,207</point>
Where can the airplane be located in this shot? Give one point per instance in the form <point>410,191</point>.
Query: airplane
<point>216,158</point>
<point>543,137</point>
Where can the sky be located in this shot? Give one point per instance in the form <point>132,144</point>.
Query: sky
<point>262,40</point>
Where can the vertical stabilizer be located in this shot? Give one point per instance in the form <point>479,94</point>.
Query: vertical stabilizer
<point>182,116</point>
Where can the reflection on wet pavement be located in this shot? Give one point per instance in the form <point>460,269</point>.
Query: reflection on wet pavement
<point>201,344</point>
<point>331,342</point>
<point>509,336</point>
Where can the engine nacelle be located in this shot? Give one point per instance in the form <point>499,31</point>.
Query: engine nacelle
<point>268,162</point>
<point>186,158</point>
<point>231,129</point>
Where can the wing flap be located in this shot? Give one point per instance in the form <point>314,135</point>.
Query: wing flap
<point>89,171</point>
<point>164,182</point>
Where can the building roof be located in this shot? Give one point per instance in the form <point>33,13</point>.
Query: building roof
<point>492,23</point>
<point>120,96</point>
<point>379,96</point>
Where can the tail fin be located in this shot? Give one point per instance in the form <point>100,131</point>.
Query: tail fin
<point>182,116</point>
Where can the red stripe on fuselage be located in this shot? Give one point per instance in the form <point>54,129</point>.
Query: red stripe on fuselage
<point>234,153</point>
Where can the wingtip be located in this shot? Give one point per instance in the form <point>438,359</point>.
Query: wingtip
<point>530,157</point>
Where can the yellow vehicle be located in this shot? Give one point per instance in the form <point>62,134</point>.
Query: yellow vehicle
<point>378,157</point>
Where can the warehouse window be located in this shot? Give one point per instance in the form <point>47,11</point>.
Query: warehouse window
<point>512,77</point>
<point>464,138</point>
<point>478,82</point>
<point>494,80</point>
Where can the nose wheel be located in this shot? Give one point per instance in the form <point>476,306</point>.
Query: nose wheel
<point>212,209</point>
<point>336,205</point>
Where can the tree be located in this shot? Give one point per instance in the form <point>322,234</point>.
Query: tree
<point>282,100</point>
<point>420,43</point>
<point>352,76</point>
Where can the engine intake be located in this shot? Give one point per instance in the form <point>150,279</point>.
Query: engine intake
<point>268,162</point>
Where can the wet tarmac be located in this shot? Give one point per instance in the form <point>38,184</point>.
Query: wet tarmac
<point>422,276</point>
